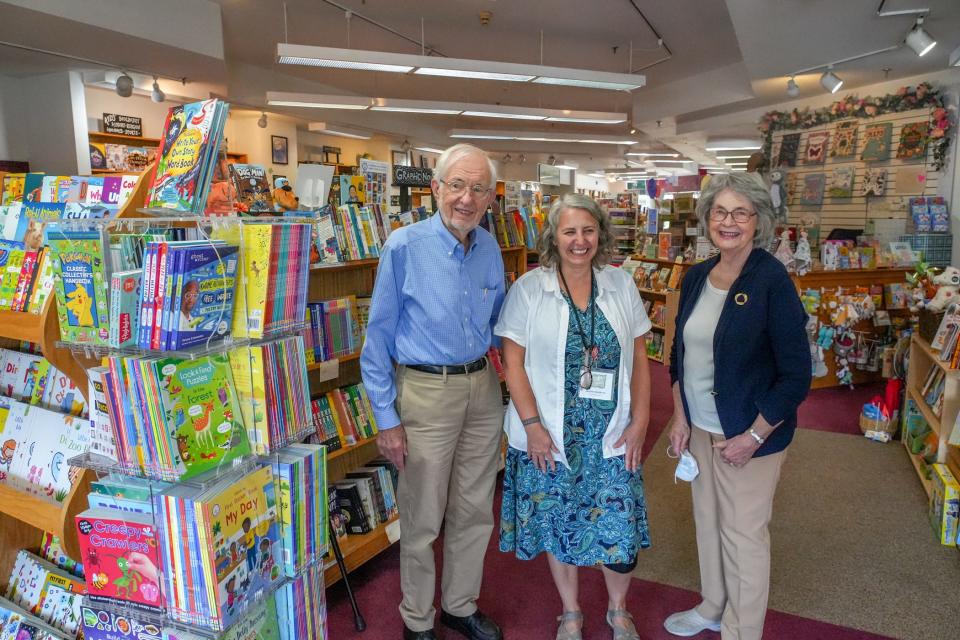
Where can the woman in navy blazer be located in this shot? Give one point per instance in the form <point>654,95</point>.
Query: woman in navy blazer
<point>739,368</point>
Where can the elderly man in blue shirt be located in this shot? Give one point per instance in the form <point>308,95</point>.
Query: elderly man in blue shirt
<point>435,397</point>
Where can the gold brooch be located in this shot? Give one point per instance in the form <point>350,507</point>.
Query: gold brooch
<point>740,299</point>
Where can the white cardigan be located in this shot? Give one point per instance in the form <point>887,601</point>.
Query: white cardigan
<point>535,316</point>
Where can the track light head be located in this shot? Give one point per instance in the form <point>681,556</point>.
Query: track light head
<point>124,85</point>
<point>830,81</point>
<point>919,40</point>
<point>507,158</point>
<point>523,158</point>
<point>262,122</point>
<point>552,159</point>
<point>157,95</point>
<point>793,89</point>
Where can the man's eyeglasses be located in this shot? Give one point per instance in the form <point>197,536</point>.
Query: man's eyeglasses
<point>719,214</point>
<point>457,187</point>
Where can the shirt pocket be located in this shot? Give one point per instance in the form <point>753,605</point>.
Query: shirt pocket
<point>485,297</point>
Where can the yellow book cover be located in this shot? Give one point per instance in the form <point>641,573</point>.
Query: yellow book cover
<point>336,420</point>
<point>248,317</point>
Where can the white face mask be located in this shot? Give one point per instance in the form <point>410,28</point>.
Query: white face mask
<point>687,468</point>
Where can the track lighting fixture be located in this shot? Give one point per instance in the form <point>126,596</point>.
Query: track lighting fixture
<point>830,81</point>
<point>793,89</point>
<point>405,146</point>
<point>124,85</point>
<point>262,122</point>
<point>157,95</point>
<point>919,40</point>
<point>552,159</point>
<point>507,158</point>
<point>523,158</point>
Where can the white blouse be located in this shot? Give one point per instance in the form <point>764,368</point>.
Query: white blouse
<point>535,316</point>
<point>698,370</point>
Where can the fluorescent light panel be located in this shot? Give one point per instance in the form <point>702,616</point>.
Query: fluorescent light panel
<point>511,116</point>
<point>455,67</point>
<point>429,149</point>
<point>536,136</point>
<point>655,161</point>
<point>751,147</point>
<point>653,155</point>
<point>331,129</point>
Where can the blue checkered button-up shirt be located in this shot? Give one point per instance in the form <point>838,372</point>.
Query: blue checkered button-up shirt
<point>433,303</point>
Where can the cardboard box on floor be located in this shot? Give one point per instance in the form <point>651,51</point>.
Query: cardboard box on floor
<point>944,504</point>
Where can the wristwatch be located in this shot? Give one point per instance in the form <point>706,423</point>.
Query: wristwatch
<point>756,436</point>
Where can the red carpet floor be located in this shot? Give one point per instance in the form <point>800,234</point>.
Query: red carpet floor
<point>521,597</point>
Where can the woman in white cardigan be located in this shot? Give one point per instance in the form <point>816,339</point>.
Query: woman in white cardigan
<point>575,361</point>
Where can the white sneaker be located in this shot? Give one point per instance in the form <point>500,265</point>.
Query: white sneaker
<point>689,623</point>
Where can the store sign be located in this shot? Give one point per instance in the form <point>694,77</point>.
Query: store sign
<point>411,176</point>
<point>125,125</point>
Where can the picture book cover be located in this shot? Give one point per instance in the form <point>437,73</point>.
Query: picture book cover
<point>37,443</point>
<point>874,182</point>
<point>789,149</point>
<point>817,143</point>
<point>185,138</point>
<point>12,188</point>
<point>253,188</point>
<point>102,436</point>
<point>124,307</point>
<point>353,190</point>
<point>18,375</point>
<point>812,194</point>
<point>203,300</point>
<point>913,140</point>
<point>121,558</point>
<point>844,145</point>
<point>80,281</point>
<point>261,623</point>
<point>116,157</point>
<point>98,155</point>
<point>201,407</point>
<point>241,524</point>
<point>25,280</point>
<point>841,182</point>
<point>101,624</point>
<point>876,141</point>
<point>110,195</point>
<point>326,249</point>
<point>249,313</point>
<point>11,263</point>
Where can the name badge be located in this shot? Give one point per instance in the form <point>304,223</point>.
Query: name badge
<point>604,382</point>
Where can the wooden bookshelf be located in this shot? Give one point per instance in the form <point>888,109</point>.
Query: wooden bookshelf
<point>359,549</point>
<point>922,359</point>
<point>120,138</point>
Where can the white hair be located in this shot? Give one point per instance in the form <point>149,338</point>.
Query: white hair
<point>458,152</point>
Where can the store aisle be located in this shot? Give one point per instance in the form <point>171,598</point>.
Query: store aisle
<point>852,559</point>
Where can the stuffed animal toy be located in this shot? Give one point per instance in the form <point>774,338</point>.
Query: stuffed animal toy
<point>949,285</point>
<point>284,199</point>
<point>784,253</point>
<point>802,260</point>
<point>778,194</point>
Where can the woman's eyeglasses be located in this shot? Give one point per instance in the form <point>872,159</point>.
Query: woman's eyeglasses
<point>719,214</point>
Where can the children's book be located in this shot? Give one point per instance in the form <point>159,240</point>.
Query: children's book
<point>106,624</point>
<point>81,278</point>
<point>121,560</point>
<point>876,141</point>
<point>124,307</point>
<point>200,403</point>
<point>202,300</point>
<point>253,188</point>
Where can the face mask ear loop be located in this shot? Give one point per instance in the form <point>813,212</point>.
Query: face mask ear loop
<point>674,457</point>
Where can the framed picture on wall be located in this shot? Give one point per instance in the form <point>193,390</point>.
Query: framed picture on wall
<point>399,158</point>
<point>278,150</point>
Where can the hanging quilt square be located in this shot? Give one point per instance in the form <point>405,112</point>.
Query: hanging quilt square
<point>812,194</point>
<point>876,142</point>
<point>874,182</point>
<point>844,145</point>
<point>913,141</point>
<point>841,183</point>
<point>817,143</point>
<point>789,148</point>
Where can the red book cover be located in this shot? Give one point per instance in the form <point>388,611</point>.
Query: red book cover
<point>120,557</point>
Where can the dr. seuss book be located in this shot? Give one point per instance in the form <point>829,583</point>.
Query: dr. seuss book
<point>80,281</point>
<point>121,558</point>
<point>101,624</point>
<point>876,141</point>
<point>199,401</point>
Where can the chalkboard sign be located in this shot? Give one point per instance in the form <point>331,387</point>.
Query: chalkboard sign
<point>411,176</point>
<point>126,125</point>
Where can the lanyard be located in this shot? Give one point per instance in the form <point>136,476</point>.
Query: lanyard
<point>587,348</point>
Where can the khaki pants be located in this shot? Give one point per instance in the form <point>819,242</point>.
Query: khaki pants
<point>453,425</point>
<point>732,509</point>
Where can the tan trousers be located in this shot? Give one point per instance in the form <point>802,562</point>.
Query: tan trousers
<point>453,425</point>
<point>732,509</point>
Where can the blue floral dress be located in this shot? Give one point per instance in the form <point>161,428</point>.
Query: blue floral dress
<point>595,511</point>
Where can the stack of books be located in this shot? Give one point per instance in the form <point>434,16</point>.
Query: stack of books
<point>42,600</point>
<point>367,496</point>
<point>343,417</point>
<point>335,327</point>
<point>30,378</point>
<point>301,473</point>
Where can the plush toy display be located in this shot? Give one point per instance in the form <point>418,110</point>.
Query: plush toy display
<point>778,194</point>
<point>284,199</point>
<point>949,285</point>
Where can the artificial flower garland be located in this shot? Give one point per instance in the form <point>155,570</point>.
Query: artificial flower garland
<point>905,99</point>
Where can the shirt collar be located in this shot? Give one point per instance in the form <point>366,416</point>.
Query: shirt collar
<point>447,239</point>
<point>550,280</point>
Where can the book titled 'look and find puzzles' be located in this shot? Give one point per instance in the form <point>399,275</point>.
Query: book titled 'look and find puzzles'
<point>188,154</point>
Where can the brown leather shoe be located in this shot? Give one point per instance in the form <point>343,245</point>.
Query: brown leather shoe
<point>476,626</point>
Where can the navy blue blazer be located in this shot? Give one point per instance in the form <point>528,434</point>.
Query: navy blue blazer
<point>761,354</point>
